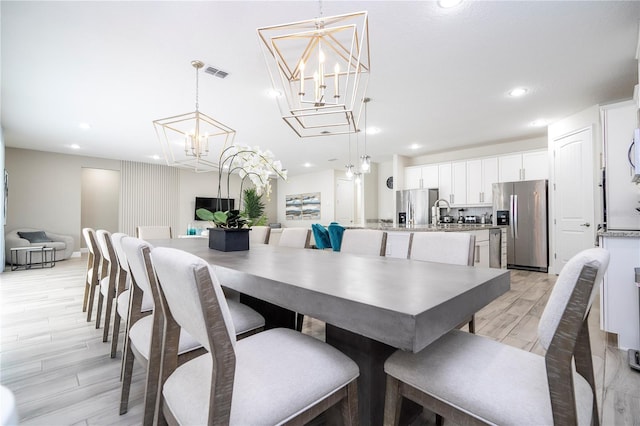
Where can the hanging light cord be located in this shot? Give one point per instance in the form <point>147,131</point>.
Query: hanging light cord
<point>197,69</point>
<point>365,126</point>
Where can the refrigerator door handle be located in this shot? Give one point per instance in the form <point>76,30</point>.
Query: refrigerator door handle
<point>515,215</point>
<point>513,235</point>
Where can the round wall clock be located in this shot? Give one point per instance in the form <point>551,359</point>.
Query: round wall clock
<point>390,182</point>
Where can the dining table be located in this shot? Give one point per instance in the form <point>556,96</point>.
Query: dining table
<point>372,305</point>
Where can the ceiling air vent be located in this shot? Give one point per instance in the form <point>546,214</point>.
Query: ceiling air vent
<point>216,72</point>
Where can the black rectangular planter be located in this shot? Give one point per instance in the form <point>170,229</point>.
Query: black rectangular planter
<point>229,239</point>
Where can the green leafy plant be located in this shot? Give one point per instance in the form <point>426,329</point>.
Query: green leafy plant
<point>254,207</point>
<point>229,219</point>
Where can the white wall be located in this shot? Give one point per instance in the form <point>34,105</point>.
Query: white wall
<point>100,200</point>
<point>322,182</point>
<point>45,190</point>
<point>386,196</point>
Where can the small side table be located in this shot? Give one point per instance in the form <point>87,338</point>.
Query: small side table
<point>47,259</point>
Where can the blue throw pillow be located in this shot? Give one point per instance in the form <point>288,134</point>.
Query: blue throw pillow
<point>321,236</point>
<point>35,237</point>
<point>335,234</point>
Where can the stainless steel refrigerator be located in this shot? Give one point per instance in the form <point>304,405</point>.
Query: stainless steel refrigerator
<point>413,206</point>
<point>523,207</point>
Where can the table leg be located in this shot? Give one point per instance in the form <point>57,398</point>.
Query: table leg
<point>370,356</point>
<point>275,316</point>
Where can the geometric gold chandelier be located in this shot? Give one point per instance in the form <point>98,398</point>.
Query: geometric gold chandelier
<point>187,139</point>
<point>320,68</point>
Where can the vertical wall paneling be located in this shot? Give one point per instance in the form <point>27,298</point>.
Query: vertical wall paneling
<point>149,195</point>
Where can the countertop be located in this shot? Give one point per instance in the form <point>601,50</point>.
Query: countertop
<point>619,233</point>
<point>449,227</point>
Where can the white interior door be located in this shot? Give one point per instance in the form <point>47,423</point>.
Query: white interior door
<point>573,196</point>
<point>344,201</point>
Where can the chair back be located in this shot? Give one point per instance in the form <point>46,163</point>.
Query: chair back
<point>116,240</point>
<point>189,285</point>
<point>106,246</point>
<point>153,232</point>
<point>195,302</point>
<point>138,271</point>
<point>90,238</point>
<point>569,280</point>
<point>295,237</point>
<point>564,332</point>
<point>372,242</point>
<point>259,235</point>
<point>457,248</point>
<point>321,236</point>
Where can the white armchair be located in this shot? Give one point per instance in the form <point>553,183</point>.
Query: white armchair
<point>62,244</point>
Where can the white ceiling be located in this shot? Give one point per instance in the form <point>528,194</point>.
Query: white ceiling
<point>439,77</point>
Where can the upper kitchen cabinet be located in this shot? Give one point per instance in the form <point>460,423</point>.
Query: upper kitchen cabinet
<point>412,177</point>
<point>531,165</point>
<point>481,174</point>
<point>421,177</point>
<point>452,182</point>
<point>619,121</point>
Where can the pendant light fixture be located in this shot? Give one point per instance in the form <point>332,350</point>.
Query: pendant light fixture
<point>365,164</point>
<point>321,68</point>
<point>349,167</point>
<point>187,139</point>
<point>357,175</point>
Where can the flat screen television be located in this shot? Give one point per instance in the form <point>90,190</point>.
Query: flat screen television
<point>211,204</point>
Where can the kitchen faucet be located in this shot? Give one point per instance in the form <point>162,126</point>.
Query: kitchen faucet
<point>435,210</point>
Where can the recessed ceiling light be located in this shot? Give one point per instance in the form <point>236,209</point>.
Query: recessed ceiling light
<point>539,123</point>
<point>74,146</point>
<point>415,146</point>
<point>373,130</point>
<point>84,126</point>
<point>274,93</point>
<point>517,92</point>
<point>446,4</point>
<point>155,157</point>
<point>307,164</point>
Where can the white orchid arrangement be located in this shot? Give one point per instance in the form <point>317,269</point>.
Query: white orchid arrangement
<point>249,162</point>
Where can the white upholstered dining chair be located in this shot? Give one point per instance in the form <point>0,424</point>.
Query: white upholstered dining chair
<point>94,270</point>
<point>471,379</point>
<point>371,242</point>
<point>295,237</point>
<point>108,282</point>
<point>455,248</point>
<point>153,232</point>
<point>263,379</point>
<point>259,235</point>
<point>123,284</point>
<point>144,336</point>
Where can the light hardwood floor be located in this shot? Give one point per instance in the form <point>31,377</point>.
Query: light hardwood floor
<point>61,374</point>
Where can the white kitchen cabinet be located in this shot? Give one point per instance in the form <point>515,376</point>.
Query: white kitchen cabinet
<point>481,175</point>
<point>535,165</point>
<point>412,177</point>
<point>482,248</point>
<point>445,185</point>
<point>398,244</point>
<point>421,177</point>
<point>531,165</point>
<point>452,182</point>
<point>619,294</point>
<point>623,196</point>
<point>430,178</point>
